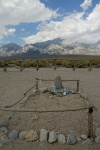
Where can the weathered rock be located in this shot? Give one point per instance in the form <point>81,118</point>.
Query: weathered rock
<point>50,97</point>
<point>84,136</point>
<point>79,139</point>
<point>97,132</point>
<point>4,139</point>
<point>4,123</point>
<point>97,139</point>
<point>22,135</point>
<point>87,142</point>
<point>58,82</point>
<point>71,139</point>
<point>43,135</point>
<point>31,136</point>
<point>43,90</point>
<point>4,130</point>
<point>1,134</point>
<point>52,137</point>
<point>61,139</point>
<point>98,125</point>
<point>13,134</point>
<point>1,145</point>
<point>35,117</point>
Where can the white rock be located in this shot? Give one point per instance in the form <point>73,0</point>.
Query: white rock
<point>22,135</point>
<point>97,132</point>
<point>71,139</point>
<point>43,135</point>
<point>43,90</point>
<point>35,117</point>
<point>52,137</point>
<point>50,97</point>
<point>79,139</point>
<point>97,139</point>
<point>31,136</point>
<point>61,139</point>
<point>84,136</point>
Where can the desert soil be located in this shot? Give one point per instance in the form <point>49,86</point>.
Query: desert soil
<point>13,85</point>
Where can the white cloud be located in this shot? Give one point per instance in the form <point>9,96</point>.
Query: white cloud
<point>86,4</point>
<point>73,27</point>
<point>13,12</point>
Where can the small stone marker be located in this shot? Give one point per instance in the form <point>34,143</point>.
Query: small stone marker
<point>58,82</point>
<point>22,135</point>
<point>13,134</point>
<point>61,139</point>
<point>71,139</point>
<point>97,139</point>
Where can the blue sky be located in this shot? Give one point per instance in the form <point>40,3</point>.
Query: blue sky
<point>30,21</point>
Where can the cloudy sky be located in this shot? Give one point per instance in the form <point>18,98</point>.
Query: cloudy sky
<point>30,21</point>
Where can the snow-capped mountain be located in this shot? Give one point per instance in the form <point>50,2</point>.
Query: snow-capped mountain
<point>52,47</point>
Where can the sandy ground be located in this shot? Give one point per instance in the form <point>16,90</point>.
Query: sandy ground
<point>13,85</point>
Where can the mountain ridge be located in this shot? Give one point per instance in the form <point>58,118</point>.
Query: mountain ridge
<point>51,47</point>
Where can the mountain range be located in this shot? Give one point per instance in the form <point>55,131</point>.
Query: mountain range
<point>51,47</point>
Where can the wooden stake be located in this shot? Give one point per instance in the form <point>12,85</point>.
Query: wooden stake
<point>90,122</point>
<point>37,85</point>
<point>55,67</point>
<point>37,67</point>
<point>77,86</point>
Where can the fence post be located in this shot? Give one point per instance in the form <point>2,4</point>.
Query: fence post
<point>74,66</point>
<point>37,84</point>
<point>90,122</point>
<point>37,67</point>
<point>77,86</point>
<point>55,67</point>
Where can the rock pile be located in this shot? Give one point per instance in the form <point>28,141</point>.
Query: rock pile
<point>45,136</point>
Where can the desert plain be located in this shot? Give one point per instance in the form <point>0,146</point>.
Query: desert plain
<point>13,85</point>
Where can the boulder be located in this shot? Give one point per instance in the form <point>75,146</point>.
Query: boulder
<point>22,135</point>
<point>71,139</point>
<point>61,139</point>
<point>52,137</point>
<point>31,136</point>
<point>43,135</point>
<point>13,134</point>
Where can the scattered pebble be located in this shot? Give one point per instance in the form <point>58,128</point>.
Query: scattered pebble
<point>61,139</point>
<point>43,135</point>
<point>52,137</point>
<point>31,136</point>
<point>22,135</point>
<point>13,134</point>
<point>97,139</point>
<point>71,139</point>
<point>84,136</point>
<point>4,139</point>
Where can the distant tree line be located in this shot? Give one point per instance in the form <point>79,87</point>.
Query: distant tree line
<point>80,63</point>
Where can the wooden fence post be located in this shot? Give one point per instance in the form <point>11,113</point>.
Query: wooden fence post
<point>77,86</point>
<point>37,67</point>
<point>74,66</point>
<point>90,122</point>
<point>55,67</point>
<point>37,84</point>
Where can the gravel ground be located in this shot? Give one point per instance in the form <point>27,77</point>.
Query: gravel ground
<point>13,85</point>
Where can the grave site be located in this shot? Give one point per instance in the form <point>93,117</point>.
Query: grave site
<point>53,112</point>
